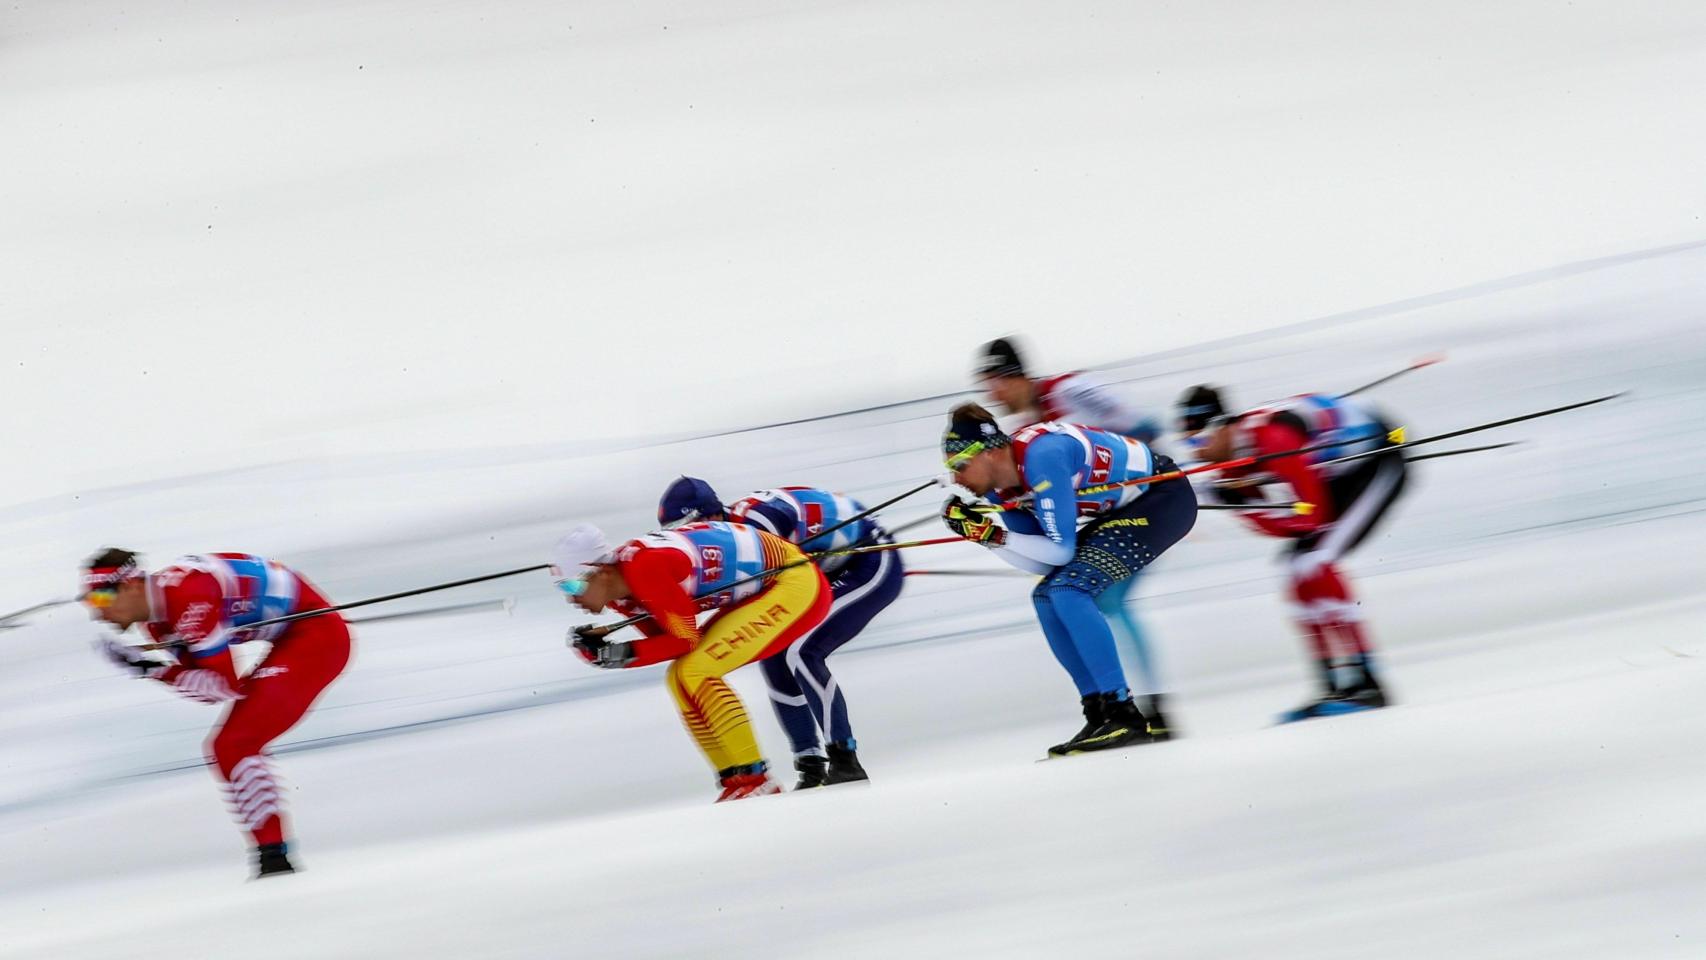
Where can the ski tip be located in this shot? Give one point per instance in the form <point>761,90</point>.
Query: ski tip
<point>1428,360</point>
<point>1396,436</point>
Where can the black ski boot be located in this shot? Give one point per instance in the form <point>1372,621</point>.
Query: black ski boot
<point>1095,714</point>
<point>813,770</point>
<point>1367,693</point>
<point>1124,726</point>
<point>1364,693</point>
<point>270,861</point>
<point>1152,708</point>
<point>844,766</point>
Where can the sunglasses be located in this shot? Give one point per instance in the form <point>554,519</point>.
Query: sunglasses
<point>958,461</point>
<point>100,597</point>
<point>573,588</point>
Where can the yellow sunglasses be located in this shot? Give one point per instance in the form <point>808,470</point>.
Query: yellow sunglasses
<point>958,461</point>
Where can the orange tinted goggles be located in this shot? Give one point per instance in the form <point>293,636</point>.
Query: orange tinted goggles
<point>100,586</point>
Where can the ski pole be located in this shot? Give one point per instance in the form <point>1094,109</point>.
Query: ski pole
<point>304,614</point>
<point>916,522</point>
<point>1302,508</point>
<point>1475,429</point>
<point>609,628</point>
<point>932,482</point>
<point>507,605</point>
<point>879,548</point>
<point>6,619</point>
<point>971,573</point>
<point>1455,453</point>
<point>1253,460</point>
<point>1417,364</point>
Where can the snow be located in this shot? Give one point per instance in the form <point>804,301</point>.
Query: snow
<point>448,233</point>
<point>462,225</point>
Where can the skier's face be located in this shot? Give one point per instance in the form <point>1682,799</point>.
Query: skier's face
<point>978,474</point>
<point>1010,393</point>
<point>1216,443</point>
<point>126,603</point>
<point>602,586</point>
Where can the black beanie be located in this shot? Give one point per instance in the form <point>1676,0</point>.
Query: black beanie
<point>1199,406</point>
<point>1000,358</point>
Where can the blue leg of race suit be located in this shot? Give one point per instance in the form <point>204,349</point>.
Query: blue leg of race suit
<point>861,589</point>
<point>1129,638</point>
<point>1060,642</point>
<point>1110,554</point>
<point>789,702</point>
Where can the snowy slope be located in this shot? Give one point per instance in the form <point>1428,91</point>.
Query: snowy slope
<point>1535,794</point>
<point>1178,184</point>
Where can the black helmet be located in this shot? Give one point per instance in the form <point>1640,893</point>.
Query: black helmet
<point>1198,407</point>
<point>1000,358</point>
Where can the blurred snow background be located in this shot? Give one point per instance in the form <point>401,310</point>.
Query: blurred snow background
<point>396,292</point>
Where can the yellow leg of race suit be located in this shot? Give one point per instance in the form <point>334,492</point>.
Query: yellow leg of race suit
<point>760,626</point>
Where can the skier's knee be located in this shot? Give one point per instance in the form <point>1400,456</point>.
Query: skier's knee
<point>809,659</point>
<point>226,747</point>
<point>680,674</point>
<point>776,668</point>
<point>1064,585</point>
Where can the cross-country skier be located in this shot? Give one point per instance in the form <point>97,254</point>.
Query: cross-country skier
<point>1075,397</point>
<point>1128,527</point>
<point>1349,500</point>
<point>808,702</point>
<point>1080,398</point>
<point>670,576</point>
<point>200,607</point>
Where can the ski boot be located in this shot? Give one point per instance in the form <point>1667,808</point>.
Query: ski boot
<point>271,861</point>
<point>844,766</point>
<point>1095,714</point>
<point>1365,694</point>
<point>813,771</point>
<point>1158,728</point>
<point>1124,725</point>
<point>751,780</point>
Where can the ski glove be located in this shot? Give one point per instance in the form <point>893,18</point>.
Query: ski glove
<point>140,662</point>
<point>588,641</point>
<point>965,520</point>
<point>202,686</point>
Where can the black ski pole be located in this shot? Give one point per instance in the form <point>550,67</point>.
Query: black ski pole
<point>871,510</point>
<point>1248,461</point>
<point>447,610</point>
<point>336,608</point>
<point>1475,429</point>
<point>1418,364</point>
<point>604,630</point>
<point>1458,453</point>
<point>1299,507</point>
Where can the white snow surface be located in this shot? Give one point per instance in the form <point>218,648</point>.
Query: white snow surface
<point>469,222</point>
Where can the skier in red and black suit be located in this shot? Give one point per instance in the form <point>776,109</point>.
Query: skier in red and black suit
<point>1348,500</point>
<point>199,607</point>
